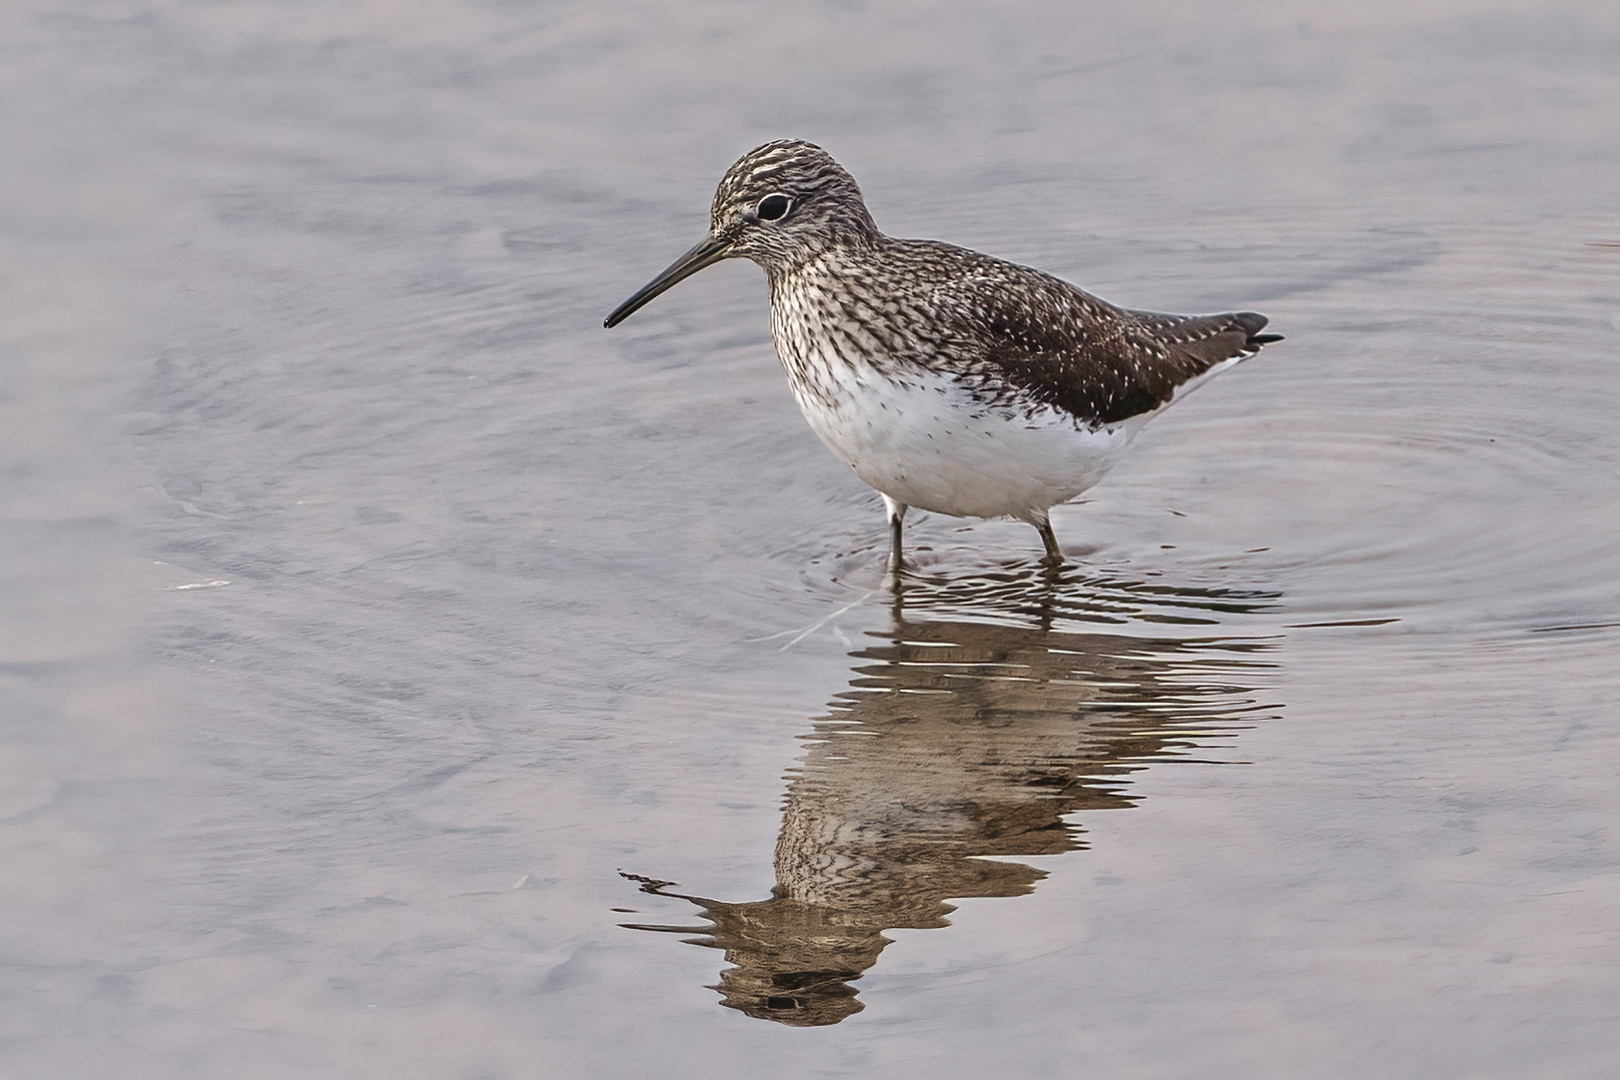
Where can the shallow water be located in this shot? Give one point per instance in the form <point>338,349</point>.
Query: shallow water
<point>369,613</point>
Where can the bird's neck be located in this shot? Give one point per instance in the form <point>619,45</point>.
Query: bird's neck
<point>822,263</point>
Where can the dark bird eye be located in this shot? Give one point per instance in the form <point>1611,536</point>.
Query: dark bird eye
<point>774,207</point>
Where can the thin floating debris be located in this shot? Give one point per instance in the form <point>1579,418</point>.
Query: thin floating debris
<point>1346,622</point>
<point>1577,626</point>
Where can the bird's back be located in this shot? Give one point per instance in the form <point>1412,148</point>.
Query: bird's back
<point>1021,337</point>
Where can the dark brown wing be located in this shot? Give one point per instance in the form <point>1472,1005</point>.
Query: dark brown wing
<point>1060,346</point>
<point>1221,337</point>
<point>1207,340</point>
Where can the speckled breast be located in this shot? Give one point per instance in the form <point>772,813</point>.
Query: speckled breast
<point>917,433</point>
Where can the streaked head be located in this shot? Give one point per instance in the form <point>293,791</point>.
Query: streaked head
<point>779,205</point>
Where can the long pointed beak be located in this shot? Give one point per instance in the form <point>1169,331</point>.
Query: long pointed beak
<point>707,252</point>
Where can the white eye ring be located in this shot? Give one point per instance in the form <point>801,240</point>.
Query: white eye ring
<point>774,207</point>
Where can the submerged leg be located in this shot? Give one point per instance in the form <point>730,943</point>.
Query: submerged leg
<point>897,515</point>
<point>1054,554</point>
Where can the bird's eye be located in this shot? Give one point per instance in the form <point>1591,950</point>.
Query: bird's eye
<point>774,207</point>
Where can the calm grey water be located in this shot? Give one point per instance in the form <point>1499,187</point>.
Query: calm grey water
<point>366,608</point>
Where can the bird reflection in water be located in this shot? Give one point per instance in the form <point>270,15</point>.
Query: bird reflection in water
<point>963,738</point>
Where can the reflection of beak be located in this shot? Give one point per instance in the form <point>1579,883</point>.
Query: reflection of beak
<point>707,252</point>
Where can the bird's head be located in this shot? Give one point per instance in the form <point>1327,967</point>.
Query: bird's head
<point>780,205</point>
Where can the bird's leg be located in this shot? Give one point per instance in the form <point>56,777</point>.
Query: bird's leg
<point>1054,554</point>
<point>897,515</point>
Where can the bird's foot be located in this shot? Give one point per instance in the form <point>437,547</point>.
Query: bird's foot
<point>1053,560</point>
<point>895,573</point>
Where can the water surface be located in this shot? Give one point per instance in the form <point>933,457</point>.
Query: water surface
<point>368,611</point>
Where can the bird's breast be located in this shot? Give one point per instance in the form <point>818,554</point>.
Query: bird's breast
<point>926,437</point>
<point>833,344</point>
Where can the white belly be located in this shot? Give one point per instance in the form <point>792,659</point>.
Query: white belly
<point>923,441</point>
